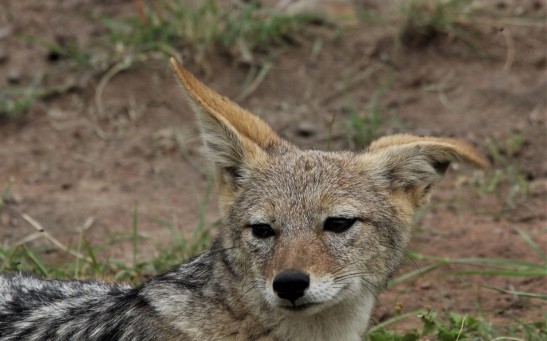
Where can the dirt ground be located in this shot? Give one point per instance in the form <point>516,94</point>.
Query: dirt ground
<point>70,160</point>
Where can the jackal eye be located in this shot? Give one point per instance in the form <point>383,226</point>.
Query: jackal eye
<point>338,224</point>
<point>262,231</point>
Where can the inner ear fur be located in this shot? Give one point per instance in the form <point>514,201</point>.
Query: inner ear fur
<point>461,150</point>
<point>210,105</point>
<point>412,165</point>
<point>234,138</point>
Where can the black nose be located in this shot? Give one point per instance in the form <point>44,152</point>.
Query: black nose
<point>291,284</point>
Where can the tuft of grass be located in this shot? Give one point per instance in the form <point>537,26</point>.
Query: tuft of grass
<point>247,33</point>
<point>425,20</point>
<point>209,27</point>
<point>364,126</point>
<point>476,266</point>
<point>506,181</point>
<point>5,192</point>
<point>61,50</point>
<point>482,266</point>
<point>22,258</point>
<point>16,101</point>
<point>184,247</point>
<point>455,327</point>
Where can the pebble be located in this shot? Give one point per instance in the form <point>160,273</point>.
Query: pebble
<point>305,129</point>
<point>14,76</point>
<point>4,56</point>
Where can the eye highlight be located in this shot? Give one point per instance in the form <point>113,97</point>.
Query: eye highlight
<point>262,231</point>
<point>338,224</point>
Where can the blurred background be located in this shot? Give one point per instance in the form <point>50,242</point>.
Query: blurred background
<point>101,172</point>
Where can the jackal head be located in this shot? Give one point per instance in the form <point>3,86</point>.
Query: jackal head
<point>312,229</point>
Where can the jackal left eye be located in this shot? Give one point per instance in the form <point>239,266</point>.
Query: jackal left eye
<point>338,224</point>
<point>262,231</point>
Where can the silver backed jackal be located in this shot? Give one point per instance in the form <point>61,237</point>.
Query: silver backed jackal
<point>308,240</point>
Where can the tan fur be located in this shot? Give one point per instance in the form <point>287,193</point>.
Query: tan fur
<point>458,147</point>
<point>221,108</point>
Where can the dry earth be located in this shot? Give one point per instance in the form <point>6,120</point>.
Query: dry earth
<point>70,161</point>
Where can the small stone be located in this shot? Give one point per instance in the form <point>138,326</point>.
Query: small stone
<point>339,12</point>
<point>305,129</point>
<point>14,76</point>
<point>520,10</point>
<point>425,285</point>
<point>5,32</point>
<point>16,198</point>
<point>540,62</point>
<point>4,219</point>
<point>501,5</point>
<point>537,187</point>
<point>4,57</point>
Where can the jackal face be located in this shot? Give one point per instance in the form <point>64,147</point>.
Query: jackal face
<point>315,228</point>
<point>312,229</point>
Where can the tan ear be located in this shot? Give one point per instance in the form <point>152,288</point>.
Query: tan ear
<point>211,104</point>
<point>412,165</point>
<point>462,150</point>
<point>235,139</point>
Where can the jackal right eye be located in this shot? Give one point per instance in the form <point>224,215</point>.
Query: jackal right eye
<point>338,224</point>
<point>262,231</point>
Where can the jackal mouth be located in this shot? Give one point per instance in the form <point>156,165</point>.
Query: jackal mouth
<point>299,307</point>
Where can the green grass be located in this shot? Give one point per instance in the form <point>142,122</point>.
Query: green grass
<point>363,126</point>
<point>13,105</point>
<point>455,327</point>
<point>247,33</point>
<point>17,99</point>
<point>62,50</point>
<point>483,266</point>
<point>506,181</point>
<point>5,192</point>
<point>94,263</point>
<point>424,20</point>
<point>199,32</point>
<point>89,261</point>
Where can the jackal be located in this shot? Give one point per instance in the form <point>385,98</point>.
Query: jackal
<point>308,239</point>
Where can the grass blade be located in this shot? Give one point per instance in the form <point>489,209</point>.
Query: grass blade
<point>520,293</point>
<point>539,252</point>
<point>39,265</point>
<point>135,236</point>
<point>395,319</point>
<point>416,273</point>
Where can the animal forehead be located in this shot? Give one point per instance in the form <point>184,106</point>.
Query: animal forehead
<point>306,186</point>
<point>314,160</point>
<point>310,170</point>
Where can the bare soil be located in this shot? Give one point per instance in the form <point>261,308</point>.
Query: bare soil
<point>70,163</point>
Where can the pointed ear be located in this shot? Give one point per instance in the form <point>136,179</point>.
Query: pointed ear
<point>412,165</point>
<point>235,139</point>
